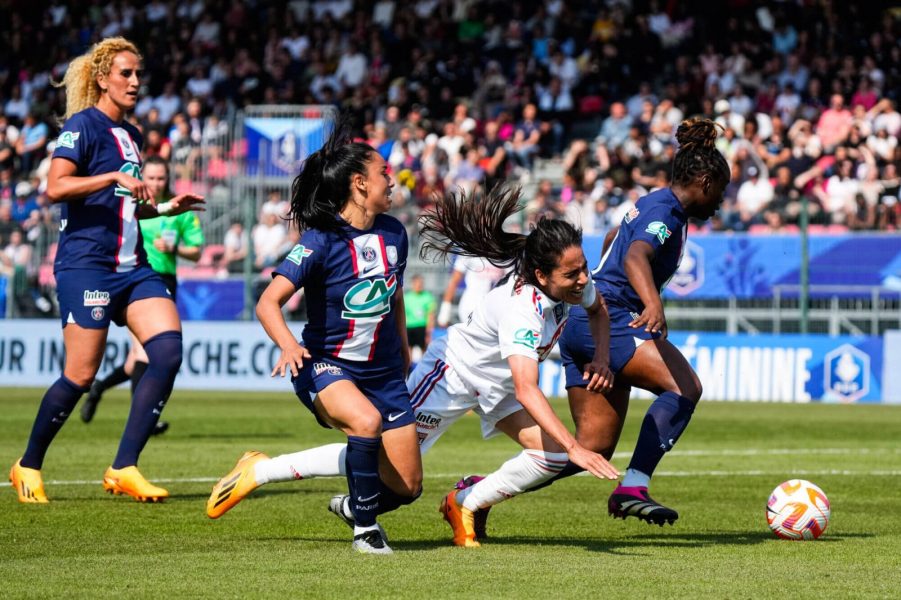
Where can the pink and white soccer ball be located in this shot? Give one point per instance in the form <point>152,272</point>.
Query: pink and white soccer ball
<point>798,510</point>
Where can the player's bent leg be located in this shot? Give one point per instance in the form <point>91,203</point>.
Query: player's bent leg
<point>659,367</point>
<point>599,419</point>
<point>400,468</point>
<point>342,405</point>
<point>235,486</point>
<point>541,459</point>
<point>599,422</point>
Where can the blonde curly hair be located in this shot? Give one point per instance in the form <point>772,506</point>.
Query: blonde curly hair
<point>80,79</point>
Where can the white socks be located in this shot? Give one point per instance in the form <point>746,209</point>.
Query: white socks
<point>522,472</point>
<point>634,478</point>
<point>324,461</point>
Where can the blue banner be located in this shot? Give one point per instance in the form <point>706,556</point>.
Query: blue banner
<point>3,285</point>
<point>752,266</point>
<point>772,368</point>
<point>209,300</point>
<point>279,145</point>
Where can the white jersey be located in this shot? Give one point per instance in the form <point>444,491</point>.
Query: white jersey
<point>515,318</point>
<point>480,276</point>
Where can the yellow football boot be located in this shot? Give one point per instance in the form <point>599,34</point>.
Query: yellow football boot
<point>28,484</point>
<point>461,521</point>
<point>129,481</point>
<point>232,488</point>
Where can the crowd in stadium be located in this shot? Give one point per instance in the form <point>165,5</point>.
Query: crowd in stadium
<point>466,93</point>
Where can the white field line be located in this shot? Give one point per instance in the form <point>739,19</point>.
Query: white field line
<point>699,473</point>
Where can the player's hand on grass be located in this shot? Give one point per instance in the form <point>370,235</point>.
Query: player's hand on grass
<point>291,359</point>
<point>652,319</point>
<point>592,462</point>
<point>599,376</point>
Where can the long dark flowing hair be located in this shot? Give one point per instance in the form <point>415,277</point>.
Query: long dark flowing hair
<point>697,154</point>
<point>464,225</point>
<point>322,188</point>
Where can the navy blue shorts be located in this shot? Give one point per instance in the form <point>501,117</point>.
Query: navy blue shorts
<point>577,345</point>
<point>91,298</point>
<point>386,389</point>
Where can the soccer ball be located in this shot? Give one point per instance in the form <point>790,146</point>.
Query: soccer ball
<point>798,510</point>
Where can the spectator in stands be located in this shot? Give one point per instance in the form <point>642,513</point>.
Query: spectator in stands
<point>834,124</point>
<point>234,250</point>
<point>615,128</point>
<point>7,224</point>
<point>25,202</point>
<point>269,236</point>
<point>753,195</point>
<point>525,144</point>
<point>839,193</point>
<point>31,143</point>
<point>7,153</point>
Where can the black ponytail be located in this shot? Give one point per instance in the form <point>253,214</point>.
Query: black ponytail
<point>322,188</point>
<point>468,226</point>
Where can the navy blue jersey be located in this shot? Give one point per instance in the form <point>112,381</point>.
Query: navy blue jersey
<point>100,231</point>
<point>350,283</point>
<point>657,219</point>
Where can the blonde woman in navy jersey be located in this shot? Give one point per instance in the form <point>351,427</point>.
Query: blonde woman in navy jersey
<point>350,366</point>
<point>101,269</point>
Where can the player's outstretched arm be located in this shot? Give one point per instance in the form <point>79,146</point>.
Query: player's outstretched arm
<point>269,312</point>
<point>174,207</point>
<point>525,383</point>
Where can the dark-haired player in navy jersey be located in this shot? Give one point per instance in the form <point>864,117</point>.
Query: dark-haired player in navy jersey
<point>639,258</point>
<point>350,369</point>
<point>101,269</point>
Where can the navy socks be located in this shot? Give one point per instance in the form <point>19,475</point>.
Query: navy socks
<point>666,419</point>
<point>56,406</point>
<point>150,395</point>
<point>362,462</point>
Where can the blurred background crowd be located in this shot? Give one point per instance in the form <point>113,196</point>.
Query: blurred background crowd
<point>578,101</point>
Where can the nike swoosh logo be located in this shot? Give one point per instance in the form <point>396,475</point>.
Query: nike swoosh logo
<point>393,418</point>
<point>372,497</point>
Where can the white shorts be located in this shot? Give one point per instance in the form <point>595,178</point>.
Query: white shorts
<point>439,397</point>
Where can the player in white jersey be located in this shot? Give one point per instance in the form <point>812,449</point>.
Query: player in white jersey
<point>490,363</point>
<point>479,276</point>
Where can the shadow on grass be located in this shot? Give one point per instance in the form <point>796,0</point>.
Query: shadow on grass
<point>293,491</point>
<point>232,435</point>
<point>630,545</point>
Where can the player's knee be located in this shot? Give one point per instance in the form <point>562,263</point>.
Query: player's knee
<point>82,378</point>
<point>366,424</point>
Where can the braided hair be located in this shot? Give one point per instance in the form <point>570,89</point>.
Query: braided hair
<point>697,155</point>
<point>322,188</point>
<point>463,225</point>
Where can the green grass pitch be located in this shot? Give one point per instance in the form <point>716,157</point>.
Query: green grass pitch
<point>281,542</point>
